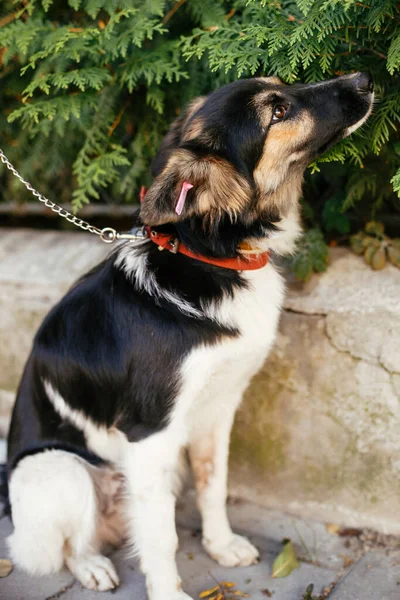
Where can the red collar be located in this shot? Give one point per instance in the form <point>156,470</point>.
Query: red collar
<point>250,262</point>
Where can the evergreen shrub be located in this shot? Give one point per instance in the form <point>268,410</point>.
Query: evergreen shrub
<point>89,87</point>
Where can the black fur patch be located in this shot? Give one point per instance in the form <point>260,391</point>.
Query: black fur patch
<point>114,353</point>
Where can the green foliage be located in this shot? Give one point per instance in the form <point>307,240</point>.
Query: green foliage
<point>308,593</point>
<point>376,247</point>
<point>395,181</point>
<point>90,86</point>
<point>333,217</point>
<point>92,79</point>
<point>312,255</point>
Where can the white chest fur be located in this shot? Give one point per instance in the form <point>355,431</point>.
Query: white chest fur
<point>214,378</point>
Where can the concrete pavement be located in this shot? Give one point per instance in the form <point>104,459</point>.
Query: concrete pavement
<point>351,566</point>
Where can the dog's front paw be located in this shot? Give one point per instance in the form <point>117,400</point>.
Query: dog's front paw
<point>96,573</point>
<point>238,552</point>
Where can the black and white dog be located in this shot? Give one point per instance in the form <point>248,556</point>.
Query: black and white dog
<point>150,352</point>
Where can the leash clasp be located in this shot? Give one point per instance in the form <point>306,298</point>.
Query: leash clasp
<point>108,235</point>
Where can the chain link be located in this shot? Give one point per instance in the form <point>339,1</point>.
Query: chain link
<point>107,235</point>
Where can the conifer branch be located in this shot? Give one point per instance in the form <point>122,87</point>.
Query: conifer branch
<point>90,92</point>
<point>173,10</point>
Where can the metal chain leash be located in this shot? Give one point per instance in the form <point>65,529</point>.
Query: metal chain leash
<point>107,234</point>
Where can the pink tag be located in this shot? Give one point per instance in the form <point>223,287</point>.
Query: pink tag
<point>182,197</point>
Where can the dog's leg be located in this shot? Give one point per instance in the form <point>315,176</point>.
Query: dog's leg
<point>209,450</point>
<point>94,571</point>
<point>55,515</point>
<point>83,559</point>
<point>151,471</point>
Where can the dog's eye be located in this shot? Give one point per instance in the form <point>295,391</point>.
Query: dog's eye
<point>279,112</point>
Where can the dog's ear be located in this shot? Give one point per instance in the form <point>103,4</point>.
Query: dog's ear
<point>218,189</point>
<point>186,122</point>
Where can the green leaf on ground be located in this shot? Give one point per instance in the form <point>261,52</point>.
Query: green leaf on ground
<point>285,562</point>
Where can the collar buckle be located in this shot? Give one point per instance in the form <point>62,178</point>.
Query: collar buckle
<point>174,246</point>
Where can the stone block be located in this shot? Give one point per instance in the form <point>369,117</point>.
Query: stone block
<point>375,576</point>
<point>36,269</point>
<point>317,434</point>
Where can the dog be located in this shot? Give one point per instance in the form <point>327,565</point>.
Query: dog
<point>149,354</point>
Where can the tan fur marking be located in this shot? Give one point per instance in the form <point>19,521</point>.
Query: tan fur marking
<point>194,106</point>
<point>275,165</point>
<point>226,192</point>
<point>218,188</point>
<point>193,130</point>
<point>202,465</point>
<point>273,79</point>
<point>281,133</point>
<point>263,108</point>
<point>110,492</point>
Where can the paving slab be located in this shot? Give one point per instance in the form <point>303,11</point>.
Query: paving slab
<point>311,539</point>
<point>322,557</point>
<point>20,586</point>
<point>200,572</point>
<point>376,576</point>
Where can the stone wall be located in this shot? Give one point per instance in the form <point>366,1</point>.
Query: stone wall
<point>319,431</point>
<point>36,269</point>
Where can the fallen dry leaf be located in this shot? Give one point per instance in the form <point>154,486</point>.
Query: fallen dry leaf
<point>347,561</point>
<point>327,590</point>
<point>349,532</point>
<point>223,591</point>
<point>6,567</point>
<point>332,528</point>
<point>266,592</point>
<point>209,592</point>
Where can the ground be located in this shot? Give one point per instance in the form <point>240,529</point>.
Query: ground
<point>341,564</point>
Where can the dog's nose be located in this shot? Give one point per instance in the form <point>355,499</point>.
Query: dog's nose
<point>364,83</point>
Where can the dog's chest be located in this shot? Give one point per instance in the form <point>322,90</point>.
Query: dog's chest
<point>218,374</point>
<point>254,312</point>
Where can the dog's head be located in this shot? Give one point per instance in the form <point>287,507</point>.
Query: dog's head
<point>244,147</point>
